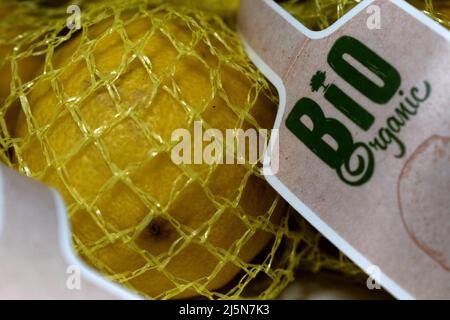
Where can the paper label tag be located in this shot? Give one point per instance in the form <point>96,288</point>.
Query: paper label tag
<point>364,134</point>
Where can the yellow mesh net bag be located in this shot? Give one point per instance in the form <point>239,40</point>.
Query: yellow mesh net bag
<point>320,14</point>
<point>90,112</point>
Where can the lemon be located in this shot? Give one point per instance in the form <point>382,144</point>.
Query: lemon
<point>101,135</point>
<point>26,66</point>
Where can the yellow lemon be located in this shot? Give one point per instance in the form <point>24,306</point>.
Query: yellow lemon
<point>23,66</point>
<point>26,66</point>
<point>101,135</point>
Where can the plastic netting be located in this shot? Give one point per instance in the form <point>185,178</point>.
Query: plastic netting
<point>320,14</point>
<point>90,112</point>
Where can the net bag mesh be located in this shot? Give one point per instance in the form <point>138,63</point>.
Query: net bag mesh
<point>320,14</point>
<point>90,112</point>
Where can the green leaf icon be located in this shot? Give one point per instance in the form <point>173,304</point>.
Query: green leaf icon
<point>318,81</point>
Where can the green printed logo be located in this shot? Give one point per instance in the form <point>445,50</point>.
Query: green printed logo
<point>353,161</point>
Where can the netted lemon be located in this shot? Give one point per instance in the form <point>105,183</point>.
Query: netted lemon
<point>98,129</point>
<point>18,65</point>
<point>24,66</point>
